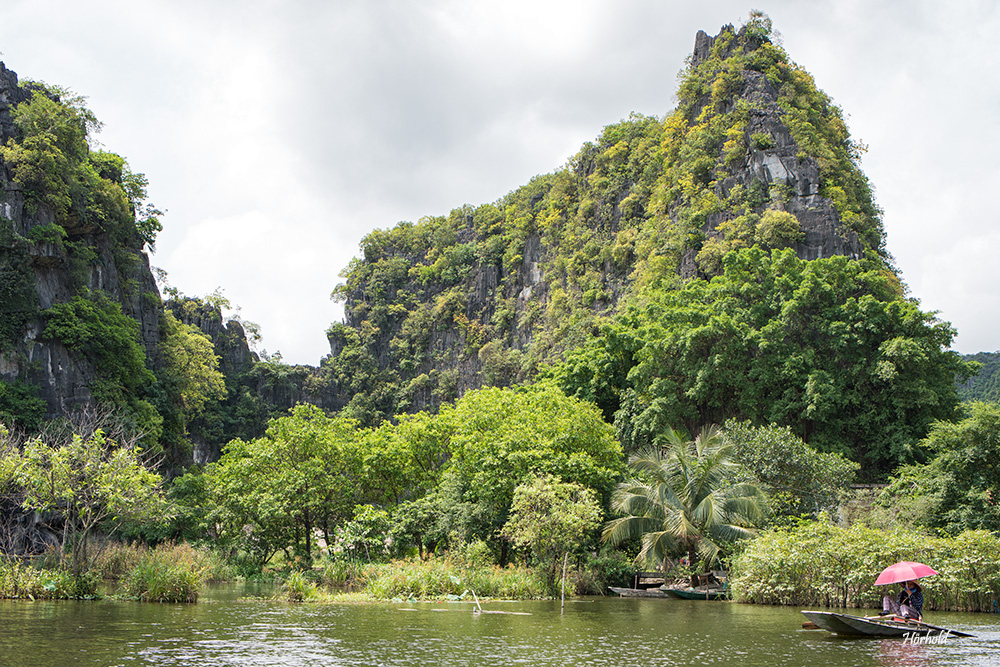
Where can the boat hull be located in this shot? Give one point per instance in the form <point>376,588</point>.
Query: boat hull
<point>845,624</point>
<point>638,592</point>
<point>695,594</point>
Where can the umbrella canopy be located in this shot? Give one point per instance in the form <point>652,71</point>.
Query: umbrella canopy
<point>903,571</point>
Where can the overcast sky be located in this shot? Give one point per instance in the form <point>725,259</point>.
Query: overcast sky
<point>277,133</point>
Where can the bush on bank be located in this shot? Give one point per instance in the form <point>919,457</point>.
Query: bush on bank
<point>438,578</point>
<point>23,581</point>
<point>819,564</point>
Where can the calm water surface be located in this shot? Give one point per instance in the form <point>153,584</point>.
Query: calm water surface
<point>224,629</point>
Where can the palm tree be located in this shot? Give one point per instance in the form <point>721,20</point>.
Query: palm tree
<point>682,498</point>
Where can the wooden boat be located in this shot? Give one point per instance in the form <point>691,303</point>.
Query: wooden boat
<point>638,592</point>
<point>878,626</point>
<point>696,593</point>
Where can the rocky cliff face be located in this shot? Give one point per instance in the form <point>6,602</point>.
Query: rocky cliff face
<point>775,160</point>
<point>38,270</point>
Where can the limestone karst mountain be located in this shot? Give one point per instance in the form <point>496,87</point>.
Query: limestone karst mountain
<point>753,155</point>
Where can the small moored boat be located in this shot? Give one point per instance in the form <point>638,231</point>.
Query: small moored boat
<point>697,593</point>
<point>879,626</point>
<point>638,592</point>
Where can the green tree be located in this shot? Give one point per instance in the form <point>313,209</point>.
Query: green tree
<point>959,488</point>
<point>192,365</point>
<point>796,478</point>
<point>86,483</point>
<point>500,438</point>
<point>682,499</point>
<point>827,347</point>
<point>551,518</point>
<point>275,492</point>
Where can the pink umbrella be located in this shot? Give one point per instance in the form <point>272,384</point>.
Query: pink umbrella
<point>903,571</point>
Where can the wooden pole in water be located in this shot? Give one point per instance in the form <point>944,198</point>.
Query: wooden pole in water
<point>479,607</point>
<point>563,607</point>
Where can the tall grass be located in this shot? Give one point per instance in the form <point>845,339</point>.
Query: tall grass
<point>20,580</point>
<point>169,572</point>
<point>298,588</point>
<point>820,564</point>
<point>116,560</point>
<point>154,580</point>
<point>438,578</point>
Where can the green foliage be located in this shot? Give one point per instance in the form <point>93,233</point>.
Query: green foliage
<point>273,492</point>
<point>603,569</point>
<point>959,488</point>
<point>796,478</point>
<point>53,234</point>
<point>551,518</point>
<point>20,406</point>
<point>159,577</point>
<point>439,578</point>
<point>779,229</point>
<point>827,347</point>
<point>50,158</point>
<point>96,328</point>
<point>500,438</point>
<point>818,564</point>
<point>86,482</point>
<point>365,536</point>
<point>18,295</point>
<point>985,385</point>
<point>683,498</point>
<point>191,365</point>
<point>298,588</point>
<point>22,581</point>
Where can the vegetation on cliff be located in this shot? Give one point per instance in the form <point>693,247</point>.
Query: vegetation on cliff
<point>826,347</point>
<point>985,385</point>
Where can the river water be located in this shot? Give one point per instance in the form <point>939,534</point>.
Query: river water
<point>224,629</point>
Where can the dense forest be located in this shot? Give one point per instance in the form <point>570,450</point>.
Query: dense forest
<point>720,271</point>
<point>985,385</point>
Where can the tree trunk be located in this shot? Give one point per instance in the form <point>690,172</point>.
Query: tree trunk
<point>693,564</point>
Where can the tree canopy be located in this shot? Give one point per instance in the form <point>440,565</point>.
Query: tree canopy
<point>828,347</point>
<point>959,488</point>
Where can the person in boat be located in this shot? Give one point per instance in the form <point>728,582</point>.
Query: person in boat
<point>907,605</point>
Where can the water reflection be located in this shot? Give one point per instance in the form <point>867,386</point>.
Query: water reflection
<point>223,630</point>
<point>898,653</point>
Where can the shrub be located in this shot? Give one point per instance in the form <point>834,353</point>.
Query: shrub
<point>438,578</point>
<point>602,570</point>
<point>156,581</point>
<point>298,588</point>
<point>19,580</point>
<point>168,573</point>
<point>815,563</point>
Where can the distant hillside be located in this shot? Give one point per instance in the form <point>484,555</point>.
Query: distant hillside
<point>986,385</point>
